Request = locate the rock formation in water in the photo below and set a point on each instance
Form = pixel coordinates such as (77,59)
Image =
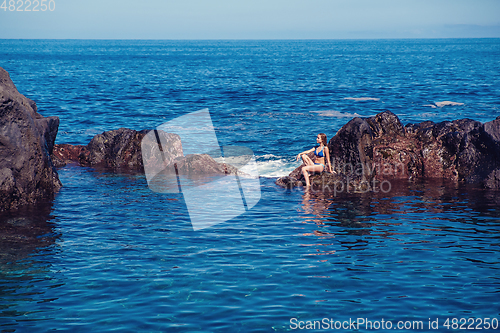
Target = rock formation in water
(115,150)
(64,154)
(122,150)
(27,174)
(369,151)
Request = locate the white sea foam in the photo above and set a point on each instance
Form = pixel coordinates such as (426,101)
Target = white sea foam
(445,103)
(336,114)
(272,166)
(362,99)
(435,115)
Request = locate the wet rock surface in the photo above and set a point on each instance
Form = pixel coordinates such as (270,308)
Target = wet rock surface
(64,154)
(203,164)
(27,174)
(116,149)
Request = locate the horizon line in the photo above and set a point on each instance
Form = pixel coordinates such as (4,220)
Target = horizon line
(250,39)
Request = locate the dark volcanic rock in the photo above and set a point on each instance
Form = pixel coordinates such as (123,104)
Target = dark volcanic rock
(156,157)
(64,154)
(461,150)
(289,182)
(386,124)
(203,164)
(351,149)
(379,148)
(129,150)
(26,142)
(117,149)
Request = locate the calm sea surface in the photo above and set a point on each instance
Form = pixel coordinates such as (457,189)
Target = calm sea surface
(108,254)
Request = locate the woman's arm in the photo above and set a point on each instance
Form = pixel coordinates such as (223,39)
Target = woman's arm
(327,156)
(305,152)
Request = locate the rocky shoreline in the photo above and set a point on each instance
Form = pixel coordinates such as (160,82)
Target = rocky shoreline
(364,152)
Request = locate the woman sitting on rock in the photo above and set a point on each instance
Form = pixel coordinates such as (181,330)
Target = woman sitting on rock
(320,152)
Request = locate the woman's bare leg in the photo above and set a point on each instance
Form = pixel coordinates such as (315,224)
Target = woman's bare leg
(311,168)
(307,160)
(306,176)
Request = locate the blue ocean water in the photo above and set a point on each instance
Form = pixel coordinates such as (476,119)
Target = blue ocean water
(109,254)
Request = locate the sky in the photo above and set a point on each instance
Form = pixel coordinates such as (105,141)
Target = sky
(252,19)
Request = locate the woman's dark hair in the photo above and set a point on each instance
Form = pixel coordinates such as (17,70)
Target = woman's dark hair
(323,138)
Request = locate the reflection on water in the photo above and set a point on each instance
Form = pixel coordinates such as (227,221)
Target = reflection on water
(435,243)
(25,237)
(359,212)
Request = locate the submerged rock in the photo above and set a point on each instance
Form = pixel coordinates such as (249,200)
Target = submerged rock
(369,151)
(27,174)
